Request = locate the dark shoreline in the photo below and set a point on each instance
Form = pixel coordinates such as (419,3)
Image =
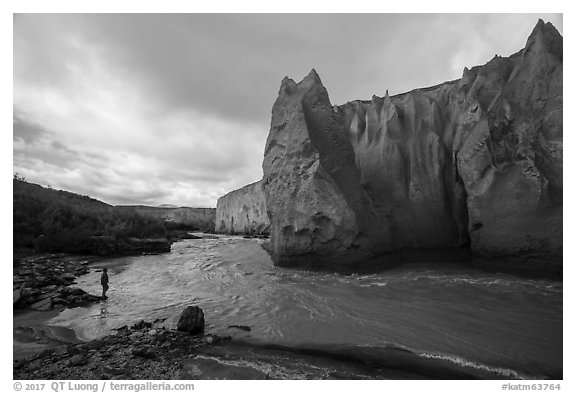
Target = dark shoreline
(154,352)
(31,335)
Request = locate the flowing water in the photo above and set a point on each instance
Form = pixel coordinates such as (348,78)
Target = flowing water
(495,322)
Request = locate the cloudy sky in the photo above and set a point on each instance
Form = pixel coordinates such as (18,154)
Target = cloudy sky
(153,109)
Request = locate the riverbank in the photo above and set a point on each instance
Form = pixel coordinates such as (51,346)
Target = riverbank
(152,351)
(43,282)
(43,285)
(130,353)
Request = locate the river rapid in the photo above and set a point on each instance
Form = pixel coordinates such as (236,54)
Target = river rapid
(508,326)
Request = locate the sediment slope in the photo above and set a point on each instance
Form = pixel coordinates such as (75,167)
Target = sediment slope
(243,211)
(474,162)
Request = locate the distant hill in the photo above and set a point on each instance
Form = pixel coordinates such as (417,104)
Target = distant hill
(30,190)
(185,217)
(61,221)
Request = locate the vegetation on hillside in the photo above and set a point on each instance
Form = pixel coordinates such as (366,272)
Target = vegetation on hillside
(60,221)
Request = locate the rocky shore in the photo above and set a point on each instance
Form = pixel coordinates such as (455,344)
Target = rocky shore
(43,282)
(143,351)
(152,351)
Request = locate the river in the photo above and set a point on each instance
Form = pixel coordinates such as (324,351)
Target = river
(500,323)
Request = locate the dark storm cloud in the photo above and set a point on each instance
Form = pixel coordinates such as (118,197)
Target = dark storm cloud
(219,64)
(32,141)
(183,101)
(28,133)
(232,65)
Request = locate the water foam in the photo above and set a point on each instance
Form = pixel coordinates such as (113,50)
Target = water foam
(505,372)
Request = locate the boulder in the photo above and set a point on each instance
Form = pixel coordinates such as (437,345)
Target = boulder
(67,277)
(144,352)
(191,320)
(88,298)
(72,291)
(141,324)
(77,361)
(17,293)
(42,305)
(45,295)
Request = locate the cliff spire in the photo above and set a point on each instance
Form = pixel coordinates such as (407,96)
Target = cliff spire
(544,38)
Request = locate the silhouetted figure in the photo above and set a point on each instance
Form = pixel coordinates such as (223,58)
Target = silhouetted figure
(104,282)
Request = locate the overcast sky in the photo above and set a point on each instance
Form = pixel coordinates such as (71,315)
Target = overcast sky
(154,109)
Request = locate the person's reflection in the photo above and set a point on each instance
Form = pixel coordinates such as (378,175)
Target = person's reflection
(103,317)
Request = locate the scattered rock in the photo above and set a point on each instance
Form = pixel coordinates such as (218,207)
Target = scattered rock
(145,353)
(136,335)
(116,357)
(68,276)
(113,371)
(96,344)
(211,339)
(35,365)
(68,291)
(77,360)
(48,282)
(17,293)
(59,300)
(42,305)
(141,324)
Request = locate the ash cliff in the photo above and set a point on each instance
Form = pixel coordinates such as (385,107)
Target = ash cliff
(474,163)
(243,211)
(201,218)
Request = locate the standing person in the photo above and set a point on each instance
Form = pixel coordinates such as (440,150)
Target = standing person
(104,282)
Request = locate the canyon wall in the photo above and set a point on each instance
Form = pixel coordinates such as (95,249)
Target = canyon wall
(475,162)
(243,211)
(196,217)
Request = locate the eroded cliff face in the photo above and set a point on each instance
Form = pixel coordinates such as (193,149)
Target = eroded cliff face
(315,203)
(474,162)
(403,150)
(243,211)
(511,159)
